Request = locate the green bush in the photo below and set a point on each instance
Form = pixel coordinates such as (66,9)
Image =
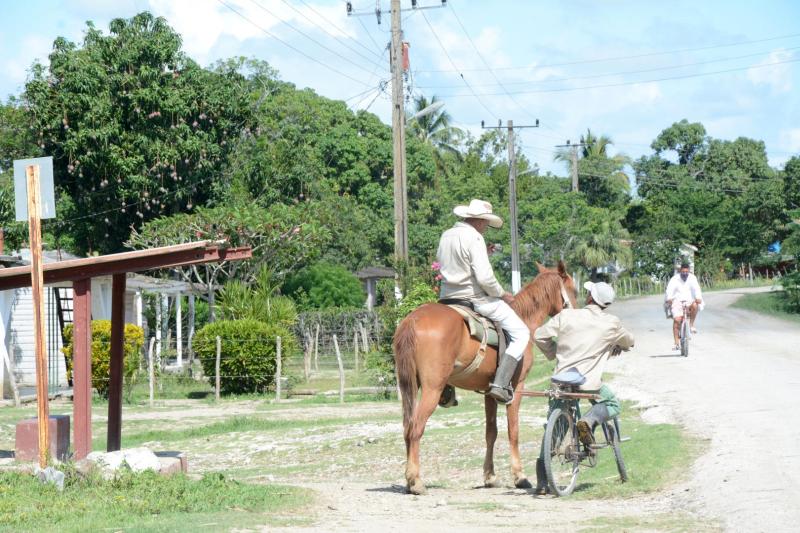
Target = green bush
(101,354)
(323,286)
(247,358)
(791,288)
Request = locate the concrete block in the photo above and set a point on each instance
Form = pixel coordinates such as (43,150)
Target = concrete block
(27,438)
(173,462)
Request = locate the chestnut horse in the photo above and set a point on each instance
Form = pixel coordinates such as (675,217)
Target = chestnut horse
(427,344)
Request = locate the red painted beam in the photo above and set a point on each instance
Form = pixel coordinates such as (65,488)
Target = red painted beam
(90,267)
(82,367)
(114,440)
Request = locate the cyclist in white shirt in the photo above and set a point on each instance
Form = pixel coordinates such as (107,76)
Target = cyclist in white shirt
(683,288)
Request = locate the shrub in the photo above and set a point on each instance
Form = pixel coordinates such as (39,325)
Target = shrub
(323,285)
(101,354)
(247,358)
(791,288)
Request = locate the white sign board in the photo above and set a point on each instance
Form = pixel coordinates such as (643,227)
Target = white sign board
(48,197)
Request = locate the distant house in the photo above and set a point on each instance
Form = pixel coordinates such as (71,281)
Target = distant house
(16,319)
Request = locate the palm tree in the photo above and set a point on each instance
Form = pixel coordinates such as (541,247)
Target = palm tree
(600,165)
(608,245)
(435,129)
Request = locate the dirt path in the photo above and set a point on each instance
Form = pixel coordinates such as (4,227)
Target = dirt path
(734,390)
(737,389)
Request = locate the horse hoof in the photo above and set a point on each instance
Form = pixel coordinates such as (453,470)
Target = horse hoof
(417,488)
(490,481)
(523,484)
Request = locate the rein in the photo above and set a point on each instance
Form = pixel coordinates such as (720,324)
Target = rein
(567,303)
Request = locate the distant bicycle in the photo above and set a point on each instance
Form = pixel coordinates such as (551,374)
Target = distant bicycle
(685,331)
(564,453)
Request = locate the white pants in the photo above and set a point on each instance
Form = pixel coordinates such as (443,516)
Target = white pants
(500,312)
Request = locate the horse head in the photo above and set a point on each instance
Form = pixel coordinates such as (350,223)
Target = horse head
(567,291)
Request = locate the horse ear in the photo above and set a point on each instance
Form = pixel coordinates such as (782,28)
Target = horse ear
(541,267)
(562,270)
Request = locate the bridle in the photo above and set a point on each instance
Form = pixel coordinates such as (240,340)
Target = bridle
(567,303)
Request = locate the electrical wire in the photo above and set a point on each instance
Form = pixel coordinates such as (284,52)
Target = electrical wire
(288,45)
(472,91)
(621,84)
(635,56)
(328,21)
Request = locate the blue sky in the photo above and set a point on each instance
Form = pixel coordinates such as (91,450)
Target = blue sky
(574,65)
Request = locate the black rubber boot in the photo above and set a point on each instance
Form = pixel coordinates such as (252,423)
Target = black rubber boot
(541,479)
(500,389)
(598,414)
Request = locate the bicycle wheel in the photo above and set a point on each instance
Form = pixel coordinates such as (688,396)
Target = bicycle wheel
(561,453)
(614,440)
(685,337)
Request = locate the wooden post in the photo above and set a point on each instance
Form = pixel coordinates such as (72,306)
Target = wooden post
(158,331)
(82,367)
(151,374)
(216,368)
(341,369)
(37,288)
(179,329)
(355,350)
(277,369)
(364,339)
(190,336)
(316,348)
(307,354)
(114,437)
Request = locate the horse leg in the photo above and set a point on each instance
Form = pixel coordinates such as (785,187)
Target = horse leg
(423,411)
(489,477)
(512,415)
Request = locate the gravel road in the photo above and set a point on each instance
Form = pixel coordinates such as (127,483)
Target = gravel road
(734,392)
(736,389)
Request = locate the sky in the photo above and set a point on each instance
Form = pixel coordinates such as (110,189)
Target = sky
(623,68)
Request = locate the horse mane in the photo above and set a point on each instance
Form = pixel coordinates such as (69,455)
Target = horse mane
(538,295)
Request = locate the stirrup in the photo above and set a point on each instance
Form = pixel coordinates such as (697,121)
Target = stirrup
(503,395)
(448,397)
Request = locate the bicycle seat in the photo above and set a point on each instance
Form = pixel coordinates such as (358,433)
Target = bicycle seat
(569,377)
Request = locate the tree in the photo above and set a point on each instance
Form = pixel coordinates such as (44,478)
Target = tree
(137,130)
(279,240)
(435,129)
(683,137)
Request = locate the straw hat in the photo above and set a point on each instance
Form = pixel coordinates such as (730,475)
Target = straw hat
(479,209)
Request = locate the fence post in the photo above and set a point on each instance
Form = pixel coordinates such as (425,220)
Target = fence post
(355,349)
(216,368)
(151,373)
(307,354)
(316,349)
(277,369)
(364,339)
(341,369)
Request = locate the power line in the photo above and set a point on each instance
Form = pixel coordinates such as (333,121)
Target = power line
(486,64)
(621,84)
(472,91)
(338,39)
(369,34)
(288,45)
(610,74)
(315,41)
(635,56)
(327,21)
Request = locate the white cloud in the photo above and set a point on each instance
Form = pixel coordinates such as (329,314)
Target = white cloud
(777,77)
(32,47)
(790,140)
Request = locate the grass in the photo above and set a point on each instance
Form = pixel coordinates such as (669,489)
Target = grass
(673,522)
(144,502)
(767,303)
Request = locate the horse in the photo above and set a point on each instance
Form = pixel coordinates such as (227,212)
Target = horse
(429,341)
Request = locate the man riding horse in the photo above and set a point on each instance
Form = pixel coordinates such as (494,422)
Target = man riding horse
(467,276)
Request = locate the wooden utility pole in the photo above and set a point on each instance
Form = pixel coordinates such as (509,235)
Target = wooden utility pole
(516,277)
(574,157)
(37,288)
(399,144)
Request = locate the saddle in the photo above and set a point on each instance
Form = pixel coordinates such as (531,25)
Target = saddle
(480,328)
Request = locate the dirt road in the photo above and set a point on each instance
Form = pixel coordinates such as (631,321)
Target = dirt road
(737,388)
(734,392)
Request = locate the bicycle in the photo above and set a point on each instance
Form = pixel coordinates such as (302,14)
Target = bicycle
(685,331)
(564,453)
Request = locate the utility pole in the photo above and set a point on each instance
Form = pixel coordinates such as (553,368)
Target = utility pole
(397,67)
(574,156)
(516,277)
(398,131)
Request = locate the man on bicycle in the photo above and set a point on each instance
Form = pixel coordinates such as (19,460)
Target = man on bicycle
(682,289)
(584,339)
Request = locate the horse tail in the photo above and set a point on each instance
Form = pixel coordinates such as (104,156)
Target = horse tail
(405,347)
